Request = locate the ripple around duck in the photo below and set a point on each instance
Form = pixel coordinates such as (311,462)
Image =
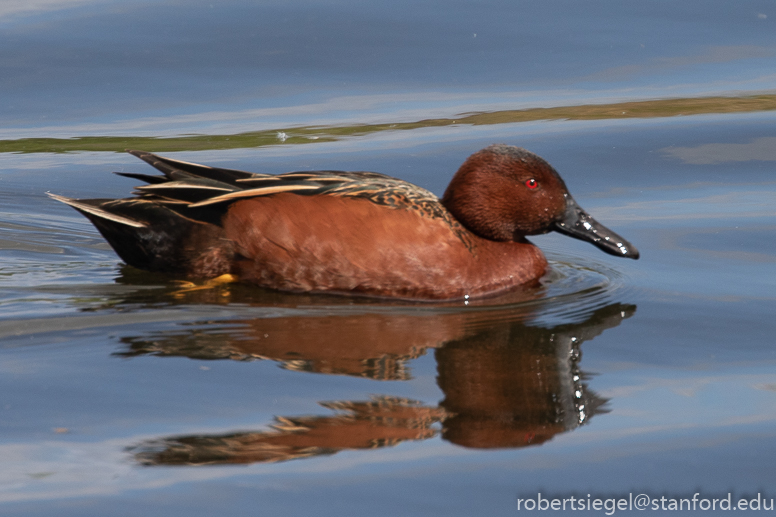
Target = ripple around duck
(572,284)
(52,285)
(574,287)
(578,285)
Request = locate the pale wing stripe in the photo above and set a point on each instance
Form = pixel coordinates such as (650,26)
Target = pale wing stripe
(254,193)
(181,185)
(99,212)
(293,176)
(159,200)
(265,177)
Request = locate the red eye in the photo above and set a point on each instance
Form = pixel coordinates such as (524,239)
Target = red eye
(531,183)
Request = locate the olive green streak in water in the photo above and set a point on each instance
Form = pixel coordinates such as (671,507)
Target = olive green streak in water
(310,134)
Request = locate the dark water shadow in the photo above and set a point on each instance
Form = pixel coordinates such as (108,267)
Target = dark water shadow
(506,383)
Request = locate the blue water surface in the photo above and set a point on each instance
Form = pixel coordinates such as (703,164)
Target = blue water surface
(125,394)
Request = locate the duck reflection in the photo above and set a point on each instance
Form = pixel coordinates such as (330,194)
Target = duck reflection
(514,385)
(506,384)
(380,422)
(376,346)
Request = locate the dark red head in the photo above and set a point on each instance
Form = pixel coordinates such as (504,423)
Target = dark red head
(504,193)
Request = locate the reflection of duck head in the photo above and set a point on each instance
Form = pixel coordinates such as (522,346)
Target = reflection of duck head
(506,384)
(516,385)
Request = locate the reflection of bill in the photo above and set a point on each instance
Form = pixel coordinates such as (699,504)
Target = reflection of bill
(506,384)
(513,385)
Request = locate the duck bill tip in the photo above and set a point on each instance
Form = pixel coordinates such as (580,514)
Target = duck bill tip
(577,223)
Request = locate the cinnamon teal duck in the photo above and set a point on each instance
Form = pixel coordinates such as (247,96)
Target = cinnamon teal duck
(349,232)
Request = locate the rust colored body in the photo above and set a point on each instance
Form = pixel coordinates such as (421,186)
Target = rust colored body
(335,244)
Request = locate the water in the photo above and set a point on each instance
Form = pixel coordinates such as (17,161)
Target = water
(126,394)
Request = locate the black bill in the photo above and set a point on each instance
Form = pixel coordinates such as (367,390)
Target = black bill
(578,224)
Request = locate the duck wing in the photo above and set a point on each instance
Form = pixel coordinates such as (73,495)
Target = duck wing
(204,193)
(173,222)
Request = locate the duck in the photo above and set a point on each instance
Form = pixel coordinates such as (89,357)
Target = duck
(349,232)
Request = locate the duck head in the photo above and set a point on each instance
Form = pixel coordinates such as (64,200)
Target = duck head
(504,193)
